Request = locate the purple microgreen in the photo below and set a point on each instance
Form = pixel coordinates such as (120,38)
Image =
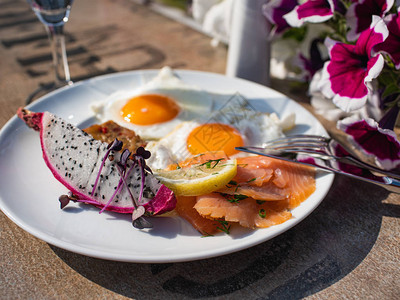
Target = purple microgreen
(116,145)
(137,215)
(112,197)
(147,168)
(124,158)
(142,164)
(138,212)
(120,171)
(142,223)
(143,153)
(64,200)
(120,184)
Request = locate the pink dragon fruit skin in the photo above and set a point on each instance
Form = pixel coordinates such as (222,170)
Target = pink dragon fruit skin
(74,158)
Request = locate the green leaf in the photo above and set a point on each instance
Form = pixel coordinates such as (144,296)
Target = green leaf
(297,34)
(391,89)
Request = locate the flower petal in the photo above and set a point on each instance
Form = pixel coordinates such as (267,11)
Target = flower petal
(391,45)
(313,11)
(359,15)
(375,142)
(274,11)
(346,76)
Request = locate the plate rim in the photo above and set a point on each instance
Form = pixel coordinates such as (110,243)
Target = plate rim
(13,122)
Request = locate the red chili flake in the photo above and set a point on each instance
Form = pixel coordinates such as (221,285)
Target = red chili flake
(103,129)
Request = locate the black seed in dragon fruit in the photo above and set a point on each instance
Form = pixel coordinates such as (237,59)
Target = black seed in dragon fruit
(75,159)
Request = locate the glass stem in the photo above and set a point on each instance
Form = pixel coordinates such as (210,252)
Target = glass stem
(59,54)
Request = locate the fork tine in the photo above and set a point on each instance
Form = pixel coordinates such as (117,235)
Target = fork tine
(298,147)
(298,141)
(290,138)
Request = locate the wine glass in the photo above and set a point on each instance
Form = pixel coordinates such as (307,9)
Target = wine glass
(54,14)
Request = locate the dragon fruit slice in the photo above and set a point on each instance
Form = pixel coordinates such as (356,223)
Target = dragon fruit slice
(75,159)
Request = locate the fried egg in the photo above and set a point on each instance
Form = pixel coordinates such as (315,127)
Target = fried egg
(157,107)
(223,132)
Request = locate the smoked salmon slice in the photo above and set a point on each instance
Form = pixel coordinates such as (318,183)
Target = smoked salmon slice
(295,181)
(185,209)
(266,192)
(254,177)
(247,212)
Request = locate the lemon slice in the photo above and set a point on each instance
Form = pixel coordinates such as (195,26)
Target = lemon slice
(198,179)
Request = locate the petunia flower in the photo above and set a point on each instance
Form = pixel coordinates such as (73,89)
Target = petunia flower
(346,76)
(315,62)
(312,11)
(376,143)
(391,45)
(359,15)
(274,11)
(326,108)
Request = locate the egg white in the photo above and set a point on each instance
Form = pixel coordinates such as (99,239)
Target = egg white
(194,103)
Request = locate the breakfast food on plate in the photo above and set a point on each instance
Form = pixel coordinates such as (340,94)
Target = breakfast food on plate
(191,134)
(155,108)
(179,120)
(95,172)
(261,194)
(109,131)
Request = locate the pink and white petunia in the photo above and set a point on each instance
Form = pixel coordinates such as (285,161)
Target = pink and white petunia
(312,11)
(391,45)
(351,68)
(359,15)
(376,143)
(274,11)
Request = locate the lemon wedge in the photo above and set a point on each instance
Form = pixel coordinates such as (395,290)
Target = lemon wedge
(199,179)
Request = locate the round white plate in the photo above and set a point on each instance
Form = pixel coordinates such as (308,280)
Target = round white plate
(29,193)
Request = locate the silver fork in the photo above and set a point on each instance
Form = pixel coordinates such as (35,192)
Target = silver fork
(320,147)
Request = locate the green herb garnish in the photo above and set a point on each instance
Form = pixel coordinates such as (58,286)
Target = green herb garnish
(225,226)
(262,213)
(235,198)
(209,162)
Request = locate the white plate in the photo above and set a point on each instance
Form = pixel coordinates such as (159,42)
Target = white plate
(29,193)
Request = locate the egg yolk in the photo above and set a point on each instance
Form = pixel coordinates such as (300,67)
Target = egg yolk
(214,137)
(149,109)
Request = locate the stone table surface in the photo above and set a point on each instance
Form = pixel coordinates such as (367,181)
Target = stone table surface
(348,248)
